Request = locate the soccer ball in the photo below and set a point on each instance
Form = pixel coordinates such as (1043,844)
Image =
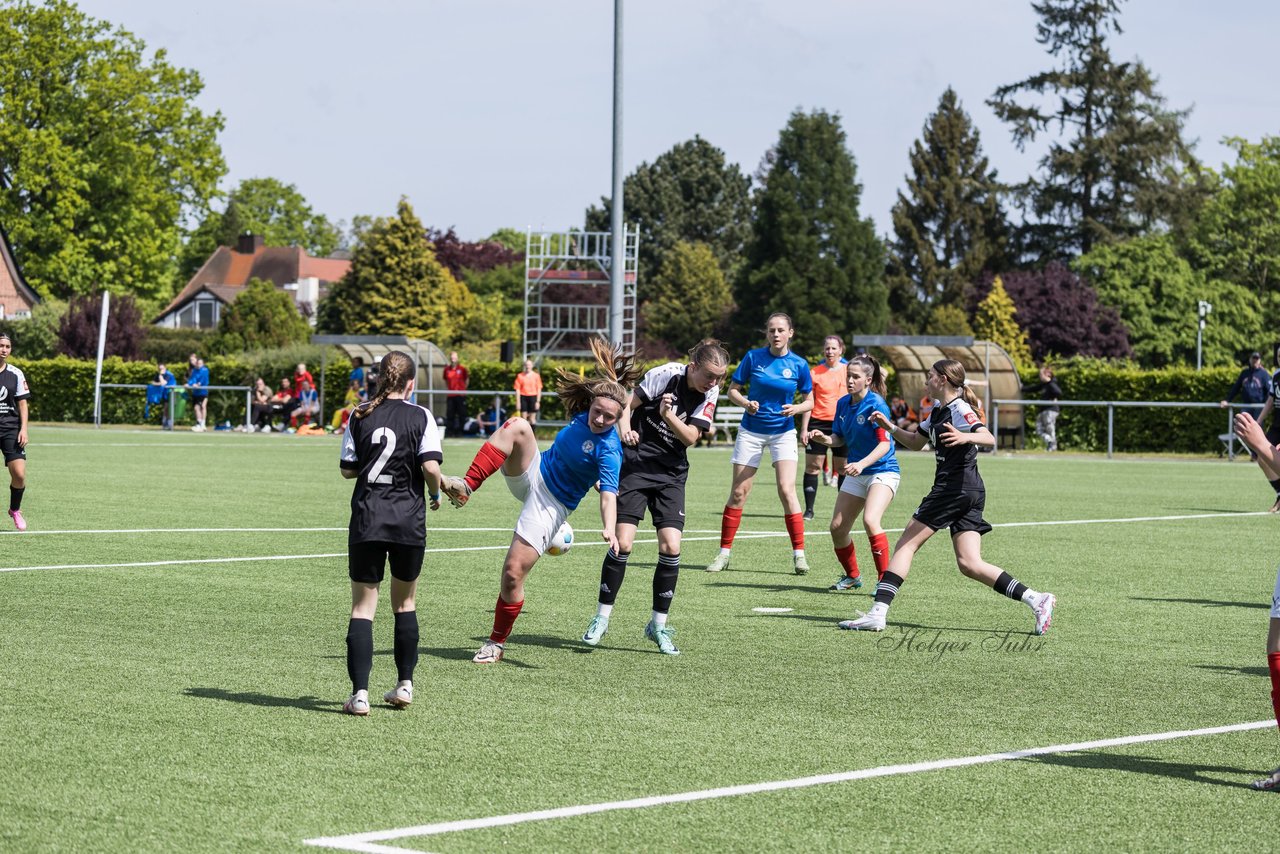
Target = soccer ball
(562,541)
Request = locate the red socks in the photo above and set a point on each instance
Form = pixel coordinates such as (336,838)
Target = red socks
(880,553)
(488,460)
(848,560)
(795,528)
(504,617)
(1273,664)
(729,523)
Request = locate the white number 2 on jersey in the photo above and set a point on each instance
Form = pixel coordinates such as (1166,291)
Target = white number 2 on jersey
(388,437)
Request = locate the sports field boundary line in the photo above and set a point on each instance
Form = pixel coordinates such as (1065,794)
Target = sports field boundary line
(367,842)
(742,535)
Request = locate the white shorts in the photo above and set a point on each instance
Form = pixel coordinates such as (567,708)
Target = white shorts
(748,448)
(858,485)
(543,514)
(1275,600)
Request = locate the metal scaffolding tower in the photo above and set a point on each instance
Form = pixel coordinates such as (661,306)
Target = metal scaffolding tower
(566,291)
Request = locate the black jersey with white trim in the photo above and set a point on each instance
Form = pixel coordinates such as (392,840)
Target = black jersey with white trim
(958,464)
(13,388)
(660,454)
(1274,391)
(388,447)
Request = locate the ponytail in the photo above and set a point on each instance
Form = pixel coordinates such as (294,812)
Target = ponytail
(953,372)
(615,374)
(871,365)
(395,372)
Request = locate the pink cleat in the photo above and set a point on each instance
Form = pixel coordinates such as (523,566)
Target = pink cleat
(18,521)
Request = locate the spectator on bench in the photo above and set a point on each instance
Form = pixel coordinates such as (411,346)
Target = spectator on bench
(308,405)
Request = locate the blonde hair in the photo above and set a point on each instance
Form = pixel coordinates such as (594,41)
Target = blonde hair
(615,374)
(953,372)
(871,365)
(394,373)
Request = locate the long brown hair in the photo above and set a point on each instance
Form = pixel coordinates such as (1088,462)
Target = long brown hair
(616,372)
(871,365)
(953,372)
(394,372)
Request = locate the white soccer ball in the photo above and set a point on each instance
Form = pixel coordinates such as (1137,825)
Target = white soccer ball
(562,541)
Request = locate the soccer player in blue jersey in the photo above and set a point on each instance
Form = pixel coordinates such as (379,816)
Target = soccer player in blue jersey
(956,502)
(871,471)
(585,452)
(766,384)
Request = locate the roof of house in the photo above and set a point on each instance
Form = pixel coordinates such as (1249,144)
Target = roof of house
(227,272)
(11,278)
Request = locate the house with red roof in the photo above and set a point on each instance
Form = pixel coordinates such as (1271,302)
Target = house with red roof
(228,271)
(16,296)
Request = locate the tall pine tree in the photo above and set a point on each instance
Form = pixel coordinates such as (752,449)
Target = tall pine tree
(1115,170)
(996,321)
(949,226)
(810,254)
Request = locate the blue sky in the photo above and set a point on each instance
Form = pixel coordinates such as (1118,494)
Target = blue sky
(498,113)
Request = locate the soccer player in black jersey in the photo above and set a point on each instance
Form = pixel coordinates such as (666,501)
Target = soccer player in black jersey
(671,407)
(14,394)
(392,451)
(956,501)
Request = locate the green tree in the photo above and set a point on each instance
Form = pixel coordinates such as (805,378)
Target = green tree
(103,154)
(1236,236)
(947,319)
(997,321)
(1116,169)
(688,193)
(267,207)
(261,318)
(500,294)
(949,226)
(397,287)
(810,254)
(691,298)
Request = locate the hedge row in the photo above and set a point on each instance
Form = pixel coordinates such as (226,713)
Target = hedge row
(1137,429)
(62,390)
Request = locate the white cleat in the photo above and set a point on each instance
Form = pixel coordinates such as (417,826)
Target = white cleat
(490,653)
(873,622)
(1043,609)
(357,704)
(400,696)
(719,564)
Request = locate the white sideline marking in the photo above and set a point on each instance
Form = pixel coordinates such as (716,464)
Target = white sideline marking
(218,530)
(763,610)
(742,535)
(365,841)
(194,561)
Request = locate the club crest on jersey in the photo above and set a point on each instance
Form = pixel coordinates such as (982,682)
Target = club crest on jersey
(862,419)
(970,418)
(588,446)
(786,373)
(4,393)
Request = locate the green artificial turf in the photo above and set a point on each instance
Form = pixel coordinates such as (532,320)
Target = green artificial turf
(195,705)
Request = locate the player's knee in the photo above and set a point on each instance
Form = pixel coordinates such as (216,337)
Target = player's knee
(969,566)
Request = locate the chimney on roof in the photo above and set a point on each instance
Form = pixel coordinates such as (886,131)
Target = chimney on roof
(249,243)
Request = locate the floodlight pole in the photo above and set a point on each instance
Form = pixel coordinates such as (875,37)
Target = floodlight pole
(617,271)
(1203,309)
(102,347)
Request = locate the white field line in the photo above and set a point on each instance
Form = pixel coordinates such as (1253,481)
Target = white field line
(742,535)
(251,558)
(367,842)
(435,529)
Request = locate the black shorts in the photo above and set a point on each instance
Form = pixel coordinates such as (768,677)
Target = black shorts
(199,398)
(528,403)
(960,511)
(821,450)
(665,503)
(1273,432)
(9,445)
(366,562)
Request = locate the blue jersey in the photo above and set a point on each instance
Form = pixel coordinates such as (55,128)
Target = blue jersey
(774,381)
(578,458)
(861,435)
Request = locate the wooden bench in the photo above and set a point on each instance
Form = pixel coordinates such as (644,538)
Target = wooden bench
(726,420)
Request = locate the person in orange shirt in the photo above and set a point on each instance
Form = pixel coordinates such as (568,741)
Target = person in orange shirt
(529,388)
(828,387)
